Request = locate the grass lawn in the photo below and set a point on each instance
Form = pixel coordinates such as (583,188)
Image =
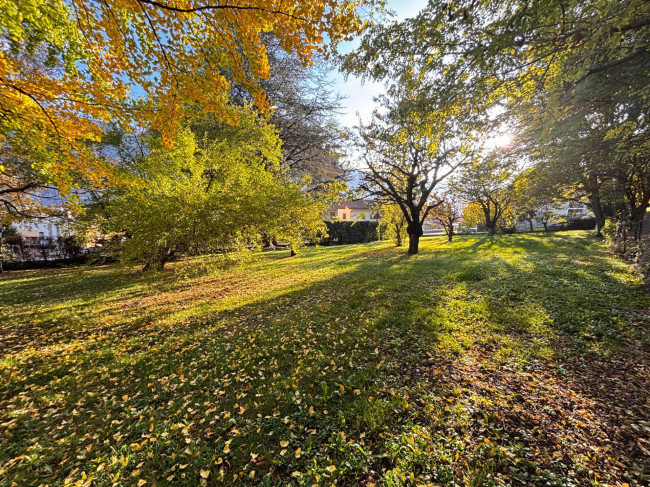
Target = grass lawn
(513,360)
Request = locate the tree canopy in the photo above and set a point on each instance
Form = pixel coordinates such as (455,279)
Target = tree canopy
(408,150)
(69,67)
(210,194)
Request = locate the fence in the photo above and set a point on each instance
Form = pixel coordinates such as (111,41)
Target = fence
(30,249)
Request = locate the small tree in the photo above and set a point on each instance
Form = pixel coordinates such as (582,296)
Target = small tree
(535,197)
(393,217)
(221,194)
(473,215)
(447,212)
(489,183)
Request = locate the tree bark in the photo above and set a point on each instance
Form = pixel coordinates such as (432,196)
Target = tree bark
(414,244)
(636,222)
(450,234)
(414,230)
(490,230)
(530,222)
(597,208)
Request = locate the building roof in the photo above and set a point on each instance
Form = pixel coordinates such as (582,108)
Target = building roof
(354,205)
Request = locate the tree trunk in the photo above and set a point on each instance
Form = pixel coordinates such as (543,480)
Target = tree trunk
(414,230)
(636,222)
(597,209)
(530,222)
(398,235)
(158,263)
(490,230)
(414,244)
(450,234)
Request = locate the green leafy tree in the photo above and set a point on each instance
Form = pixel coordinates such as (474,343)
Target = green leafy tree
(573,74)
(488,182)
(393,217)
(408,149)
(223,192)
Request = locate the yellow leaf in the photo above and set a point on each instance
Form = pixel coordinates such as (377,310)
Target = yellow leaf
(297,453)
(284,443)
(204,473)
(141,482)
(331,469)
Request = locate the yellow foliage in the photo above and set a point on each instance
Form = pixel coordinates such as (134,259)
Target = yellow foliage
(70,66)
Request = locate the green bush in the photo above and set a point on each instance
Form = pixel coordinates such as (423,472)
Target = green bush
(349,232)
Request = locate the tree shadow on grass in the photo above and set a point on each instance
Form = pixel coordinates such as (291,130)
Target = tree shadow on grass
(361,348)
(299,364)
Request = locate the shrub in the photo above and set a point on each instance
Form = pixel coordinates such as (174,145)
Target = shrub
(584,223)
(340,232)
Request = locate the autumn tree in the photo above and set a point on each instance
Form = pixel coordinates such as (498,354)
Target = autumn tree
(447,212)
(407,150)
(213,194)
(488,182)
(546,61)
(69,67)
(473,215)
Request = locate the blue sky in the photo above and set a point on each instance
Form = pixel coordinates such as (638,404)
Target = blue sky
(359,96)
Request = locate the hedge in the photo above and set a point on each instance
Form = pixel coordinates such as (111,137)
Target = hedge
(350,232)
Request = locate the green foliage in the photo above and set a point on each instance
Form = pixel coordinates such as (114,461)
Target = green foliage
(393,219)
(350,232)
(409,148)
(572,74)
(489,182)
(223,192)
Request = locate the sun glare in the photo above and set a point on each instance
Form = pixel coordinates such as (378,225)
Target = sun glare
(502,140)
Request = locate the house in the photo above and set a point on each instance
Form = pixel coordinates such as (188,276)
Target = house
(572,209)
(58,223)
(352,210)
(52,227)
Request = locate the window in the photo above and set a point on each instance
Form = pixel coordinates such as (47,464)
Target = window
(345,216)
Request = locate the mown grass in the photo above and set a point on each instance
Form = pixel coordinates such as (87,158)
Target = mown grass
(513,360)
